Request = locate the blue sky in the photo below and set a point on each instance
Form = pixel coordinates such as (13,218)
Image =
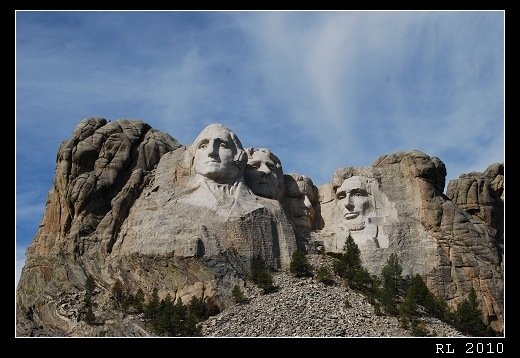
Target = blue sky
(323,90)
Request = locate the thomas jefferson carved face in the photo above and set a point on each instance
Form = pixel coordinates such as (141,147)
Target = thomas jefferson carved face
(300,199)
(263,173)
(217,154)
(352,198)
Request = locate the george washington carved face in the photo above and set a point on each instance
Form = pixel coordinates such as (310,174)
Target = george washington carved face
(218,154)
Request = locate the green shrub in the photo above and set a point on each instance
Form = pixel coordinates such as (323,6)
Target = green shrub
(300,266)
(468,318)
(261,276)
(324,275)
(238,295)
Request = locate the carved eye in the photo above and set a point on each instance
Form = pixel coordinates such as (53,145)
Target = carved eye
(341,196)
(203,145)
(357,195)
(224,145)
(270,166)
(254,165)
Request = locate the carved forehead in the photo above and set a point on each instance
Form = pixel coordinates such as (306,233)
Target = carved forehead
(296,184)
(218,131)
(354,182)
(263,154)
(214,132)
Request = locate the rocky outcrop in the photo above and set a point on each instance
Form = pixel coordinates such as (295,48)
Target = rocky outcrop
(100,171)
(482,196)
(405,212)
(130,203)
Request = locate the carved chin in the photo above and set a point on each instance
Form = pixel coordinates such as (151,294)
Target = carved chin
(356,225)
(265,190)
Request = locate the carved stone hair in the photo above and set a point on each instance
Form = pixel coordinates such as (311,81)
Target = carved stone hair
(272,156)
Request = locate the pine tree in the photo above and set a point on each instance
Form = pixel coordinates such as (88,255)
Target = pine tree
(324,275)
(90,318)
(118,292)
(197,309)
(261,276)
(391,275)
(238,295)
(151,310)
(468,316)
(163,323)
(139,300)
(90,284)
(300,266)
(348,262)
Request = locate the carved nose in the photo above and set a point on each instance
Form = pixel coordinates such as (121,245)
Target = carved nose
(264,170)
(307,202)
(212,150)
(349,206)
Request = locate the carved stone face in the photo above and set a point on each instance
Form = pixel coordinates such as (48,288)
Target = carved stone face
(352,198)
(300,198)
(263,174)
(215,153)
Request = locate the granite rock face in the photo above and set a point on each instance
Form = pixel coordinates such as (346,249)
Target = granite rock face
(397,206)
(482,196)
(130,203)
(100,171)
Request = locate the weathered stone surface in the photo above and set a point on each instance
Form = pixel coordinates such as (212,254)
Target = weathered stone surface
(126,207)
(400,208)
(205,215)
(301,203)
(100,171)
(130,203)
(482,196)
(264,173)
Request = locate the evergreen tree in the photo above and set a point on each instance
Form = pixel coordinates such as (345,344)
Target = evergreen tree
(300,266)
(261,276)
(391,274)
(468,316)
(118,292)
(178,319)
(324,275)
(151,310)
(90,284)
(238,295)
(163,324)
(197,309)
(348,262)
(265,282)
(139,300)
(90,318)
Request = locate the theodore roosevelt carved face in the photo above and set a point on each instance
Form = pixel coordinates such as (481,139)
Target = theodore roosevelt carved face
(218,154)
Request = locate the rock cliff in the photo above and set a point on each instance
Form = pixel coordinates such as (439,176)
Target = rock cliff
(131,204)
(397,206)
